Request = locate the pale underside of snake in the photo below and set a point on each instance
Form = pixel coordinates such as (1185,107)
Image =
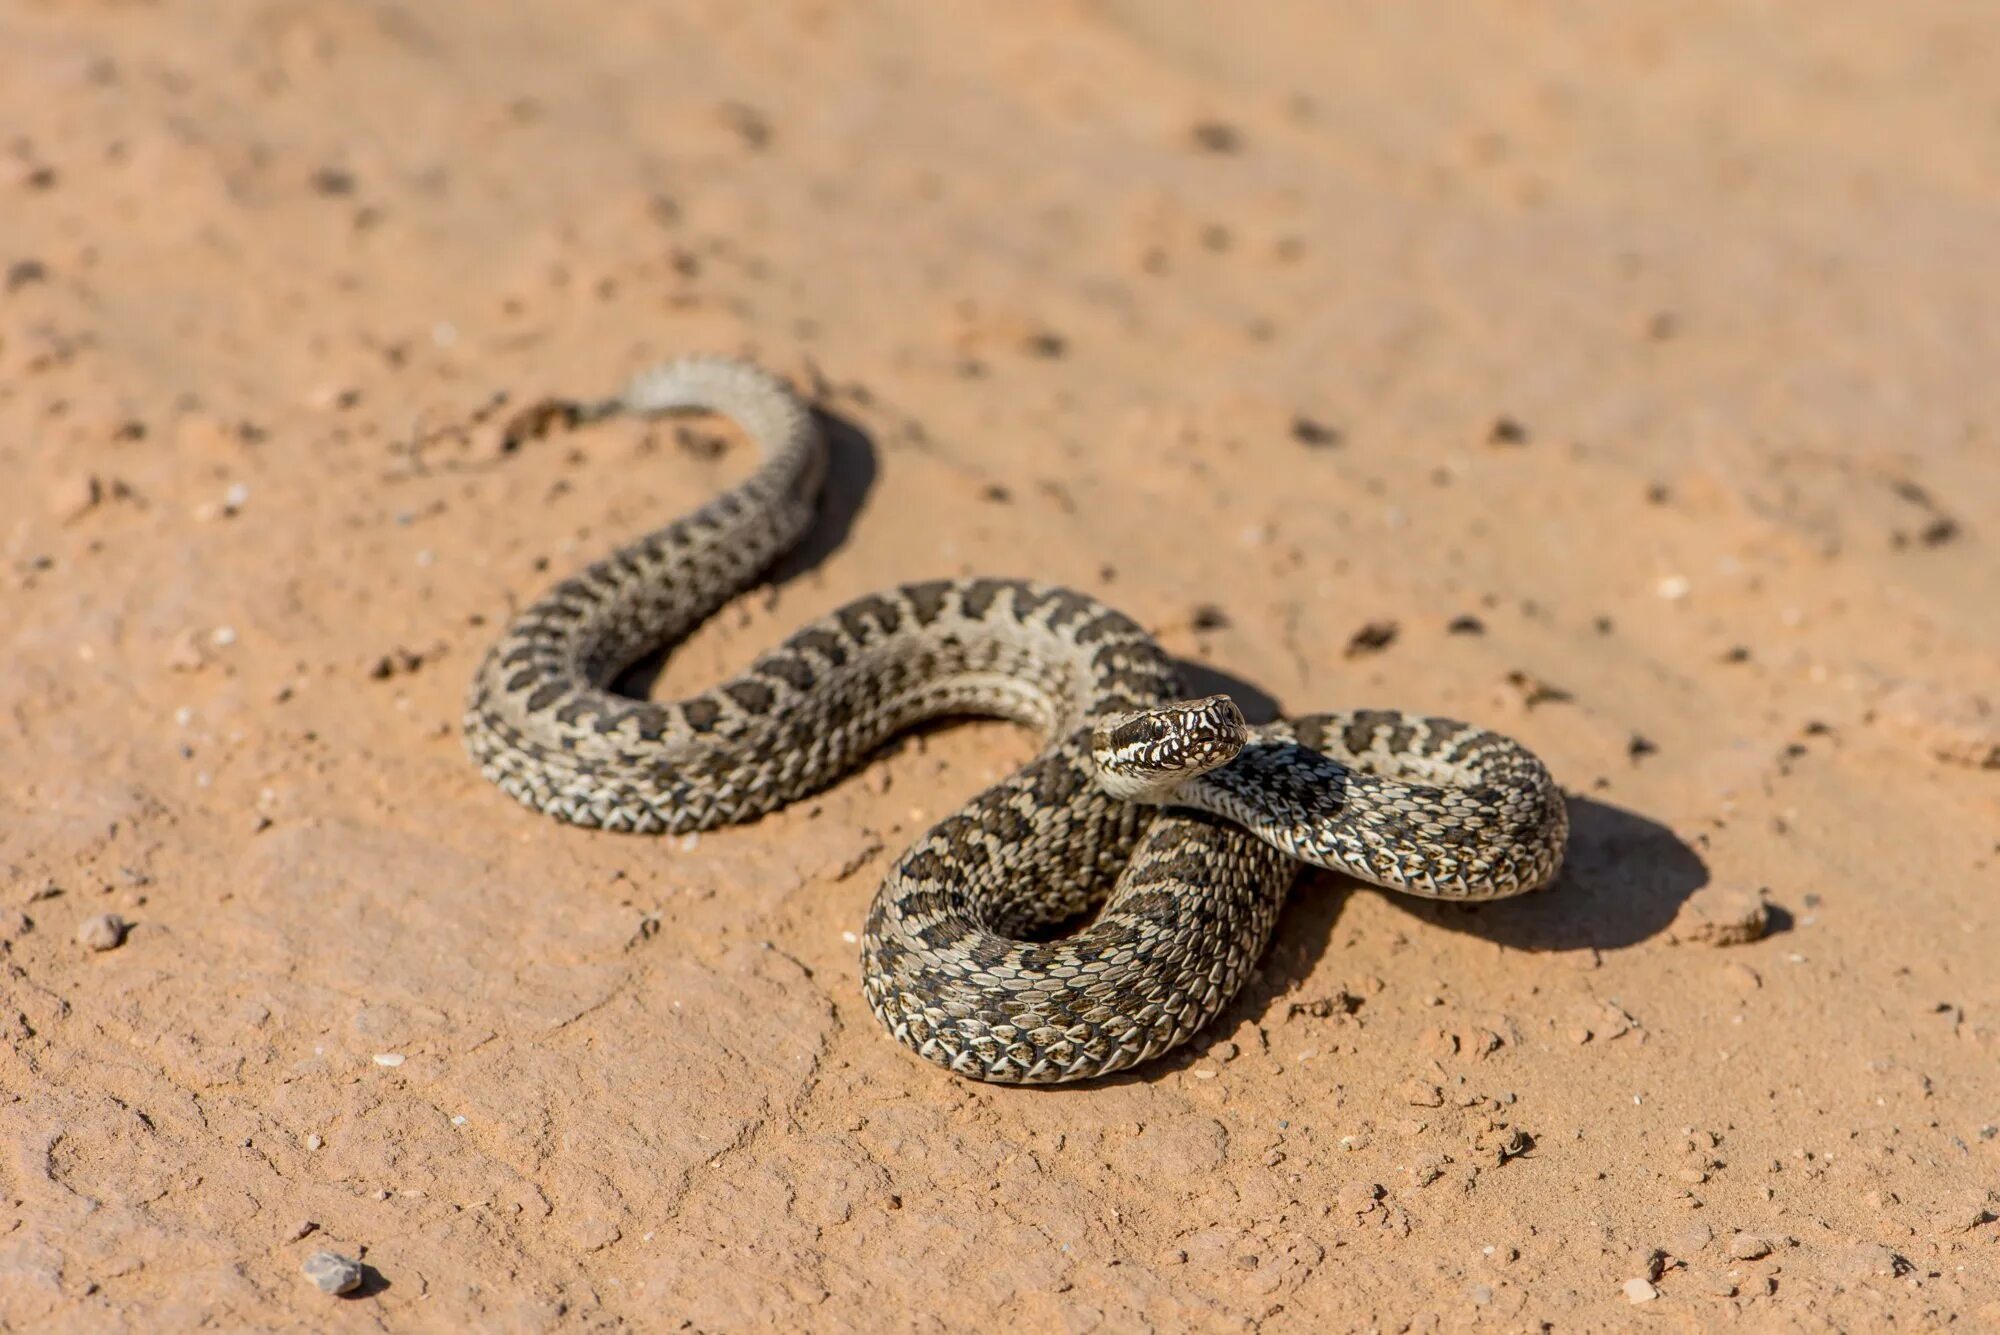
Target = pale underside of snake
(1181,828)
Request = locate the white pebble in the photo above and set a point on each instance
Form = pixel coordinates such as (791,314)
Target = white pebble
(458,1119)
(389,1059)
(849,937)
(237,495)
(313,1141)
(224,636)
(1672,587)
(1639,1290)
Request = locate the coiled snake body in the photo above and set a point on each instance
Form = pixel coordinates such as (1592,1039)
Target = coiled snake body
(1181,823)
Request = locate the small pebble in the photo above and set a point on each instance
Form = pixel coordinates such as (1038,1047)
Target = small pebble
(73,497)
(389,1059)
(331,1272)
(1216,137)
(1971,1210)
(1640,1291)
(102,931)
(1360,1197)
(186,654)
(1867,1260)
(1721,916)
(1422,1094)
(333,398)
(313,1142)
(1371,638)
(1958,729)
(23,272)
(1748,1247)
(1318,435)
(300,1229)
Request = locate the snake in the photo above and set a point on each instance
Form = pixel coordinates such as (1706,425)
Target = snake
(1166,826)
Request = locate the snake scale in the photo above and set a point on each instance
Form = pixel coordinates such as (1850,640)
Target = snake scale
(1180,826)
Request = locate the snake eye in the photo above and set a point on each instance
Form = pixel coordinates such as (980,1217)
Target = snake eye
(1142,731)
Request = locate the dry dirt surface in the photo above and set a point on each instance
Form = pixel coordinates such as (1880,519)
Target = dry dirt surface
(1622,377)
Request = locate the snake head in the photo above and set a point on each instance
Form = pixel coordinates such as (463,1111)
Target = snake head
(1146,754)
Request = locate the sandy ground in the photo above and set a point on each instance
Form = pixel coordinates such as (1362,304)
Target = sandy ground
(1635,365)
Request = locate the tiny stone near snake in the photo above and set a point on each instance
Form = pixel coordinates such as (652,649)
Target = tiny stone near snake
(1186,871)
